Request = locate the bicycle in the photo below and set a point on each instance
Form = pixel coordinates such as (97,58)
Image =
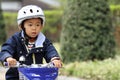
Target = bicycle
(36,71)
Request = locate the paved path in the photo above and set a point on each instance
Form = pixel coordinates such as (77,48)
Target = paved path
(2,73)
(68,78)
(3,70)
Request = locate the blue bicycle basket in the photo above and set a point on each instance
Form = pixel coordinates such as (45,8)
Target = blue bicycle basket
(39,73)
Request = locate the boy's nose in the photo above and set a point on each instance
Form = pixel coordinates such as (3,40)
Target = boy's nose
(34,27)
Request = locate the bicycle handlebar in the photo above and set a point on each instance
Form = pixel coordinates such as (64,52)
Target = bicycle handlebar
(47,65)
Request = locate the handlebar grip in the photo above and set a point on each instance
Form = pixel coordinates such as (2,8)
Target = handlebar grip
(6,64)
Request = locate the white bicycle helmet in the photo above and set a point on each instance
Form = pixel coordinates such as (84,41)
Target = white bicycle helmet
(30,11)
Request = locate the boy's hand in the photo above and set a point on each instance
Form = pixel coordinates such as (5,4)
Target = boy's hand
(11,61)
(57,63)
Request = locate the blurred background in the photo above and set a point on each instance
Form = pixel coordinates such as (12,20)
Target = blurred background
(51,9)
(86,33)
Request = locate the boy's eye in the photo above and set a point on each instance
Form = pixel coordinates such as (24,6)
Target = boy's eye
(29,24)
(38,25)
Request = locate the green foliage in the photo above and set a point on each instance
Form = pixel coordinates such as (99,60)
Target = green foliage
(114,2)
(10,18)
(53,24)
(114,7)
(53,20)
(107,69)
(87,31)
(2,28)
(115,10)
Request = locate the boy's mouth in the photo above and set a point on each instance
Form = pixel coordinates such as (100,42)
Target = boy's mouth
(33,32)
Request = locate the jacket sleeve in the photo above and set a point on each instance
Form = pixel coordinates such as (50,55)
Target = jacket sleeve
(50,51)
(8,49)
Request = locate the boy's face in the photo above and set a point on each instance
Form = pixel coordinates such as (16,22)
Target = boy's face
(33,27)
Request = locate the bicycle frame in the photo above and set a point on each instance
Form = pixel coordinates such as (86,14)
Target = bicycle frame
(37,71)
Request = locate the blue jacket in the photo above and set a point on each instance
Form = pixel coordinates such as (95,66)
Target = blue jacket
(15,47)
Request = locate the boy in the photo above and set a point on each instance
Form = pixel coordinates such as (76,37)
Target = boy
(29,42)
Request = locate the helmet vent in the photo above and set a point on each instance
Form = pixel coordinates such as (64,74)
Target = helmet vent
(31,10)
(37,10)
(24,12)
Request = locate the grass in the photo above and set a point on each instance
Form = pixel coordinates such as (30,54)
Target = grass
(108,69)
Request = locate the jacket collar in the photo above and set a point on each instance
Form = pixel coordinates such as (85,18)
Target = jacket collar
(40,39)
